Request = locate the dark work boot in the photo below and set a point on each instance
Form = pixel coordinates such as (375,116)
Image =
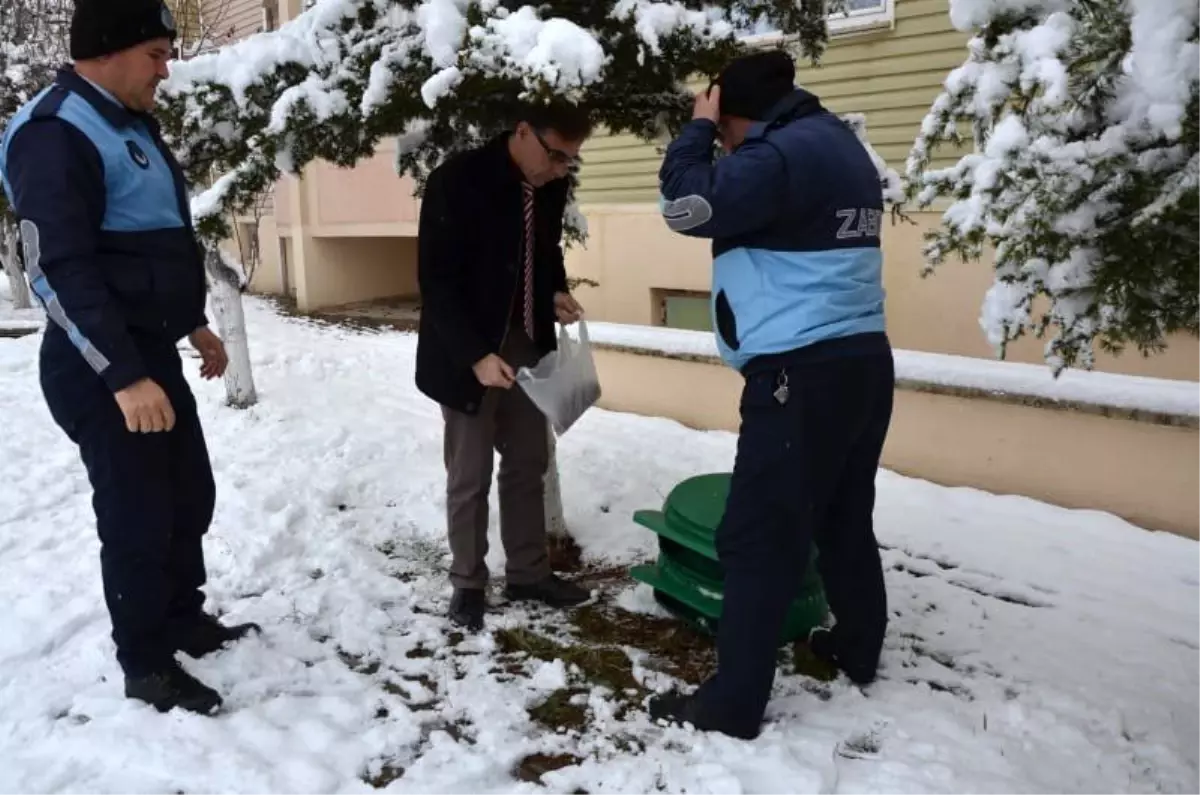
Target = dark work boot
(824,645)
(173,687)
(552,591)
(206,634)
(466,608)
(677,708)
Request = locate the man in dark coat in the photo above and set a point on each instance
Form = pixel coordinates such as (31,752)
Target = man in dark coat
(111,254)
(794,212)
(493,284)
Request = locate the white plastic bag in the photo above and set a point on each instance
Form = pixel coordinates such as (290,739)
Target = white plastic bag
(564,383)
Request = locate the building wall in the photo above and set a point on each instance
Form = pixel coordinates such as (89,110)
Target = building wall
(891,75)
(647,275)
(1064,457)
(230,20)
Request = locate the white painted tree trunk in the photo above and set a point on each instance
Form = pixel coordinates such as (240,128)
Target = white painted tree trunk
(231,320)
(18,287)
(556,523)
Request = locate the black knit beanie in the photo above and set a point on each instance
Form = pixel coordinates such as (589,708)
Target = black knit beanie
(104,27)
(753,84)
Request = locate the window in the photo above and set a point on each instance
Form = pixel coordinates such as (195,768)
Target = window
(682,309)
(856,16)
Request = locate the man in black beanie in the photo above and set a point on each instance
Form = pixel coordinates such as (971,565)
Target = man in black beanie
(111,254)
(794,212)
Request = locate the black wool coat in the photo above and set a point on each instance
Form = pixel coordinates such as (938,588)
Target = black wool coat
(469,266)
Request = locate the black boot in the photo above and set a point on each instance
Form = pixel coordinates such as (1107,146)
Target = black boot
(466,608)
(552,591)
(206,634)
(173,687)
(824,644)
(677,708)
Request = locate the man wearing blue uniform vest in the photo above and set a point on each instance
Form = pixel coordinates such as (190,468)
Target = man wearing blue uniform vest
(794,210)
(110,252)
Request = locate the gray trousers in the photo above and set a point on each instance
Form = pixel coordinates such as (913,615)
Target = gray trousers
(510,424)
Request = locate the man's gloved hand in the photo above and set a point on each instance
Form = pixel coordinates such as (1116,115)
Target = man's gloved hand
(146,407)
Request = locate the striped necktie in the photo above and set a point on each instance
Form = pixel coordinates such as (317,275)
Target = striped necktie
(528,314)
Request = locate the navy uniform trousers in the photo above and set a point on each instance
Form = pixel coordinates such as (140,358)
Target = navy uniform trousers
(804,472)
(153,496)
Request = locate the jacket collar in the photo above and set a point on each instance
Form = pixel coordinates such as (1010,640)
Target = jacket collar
(113,112)
(796,105)
(499,156)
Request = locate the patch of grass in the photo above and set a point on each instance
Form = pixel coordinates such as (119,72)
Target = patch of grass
(805,663)
(419,652)
(676,648)
(605,666)
(533,767)
(557,711)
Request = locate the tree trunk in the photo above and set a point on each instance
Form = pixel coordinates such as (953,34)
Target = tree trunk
(18,287)
(227,305)
(556,523)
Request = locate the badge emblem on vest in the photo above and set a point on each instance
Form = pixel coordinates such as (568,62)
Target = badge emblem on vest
(138,155)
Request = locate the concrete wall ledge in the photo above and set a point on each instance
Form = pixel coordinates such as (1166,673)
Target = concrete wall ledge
(1126,445)
(1157,401)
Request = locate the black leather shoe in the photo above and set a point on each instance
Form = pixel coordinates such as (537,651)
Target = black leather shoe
(173,687)
(206,634)
(466,608)
(552,591)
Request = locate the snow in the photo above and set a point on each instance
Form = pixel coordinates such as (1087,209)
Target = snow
(554,52)
(1031,648)
(1140,393)
(657,20)
(1162,66)
(13,319)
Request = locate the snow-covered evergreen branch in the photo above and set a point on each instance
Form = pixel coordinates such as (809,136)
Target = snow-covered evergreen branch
(441,75)
(1084,174)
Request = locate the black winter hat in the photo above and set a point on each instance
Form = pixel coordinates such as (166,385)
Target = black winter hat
(103,27)
(753,84)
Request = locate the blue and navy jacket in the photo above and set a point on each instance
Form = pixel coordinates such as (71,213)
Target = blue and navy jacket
(106,231)
(794,214)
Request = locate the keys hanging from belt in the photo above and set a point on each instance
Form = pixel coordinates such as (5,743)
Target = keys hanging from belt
(781,393)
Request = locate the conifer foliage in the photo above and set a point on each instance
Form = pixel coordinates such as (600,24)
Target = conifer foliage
(1084,174)
(442,75)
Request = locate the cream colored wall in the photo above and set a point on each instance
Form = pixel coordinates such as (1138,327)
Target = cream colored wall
(631,252)
(1143,472)
(348,270)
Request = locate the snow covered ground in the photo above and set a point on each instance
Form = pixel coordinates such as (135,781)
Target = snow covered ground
(1032,649)
(16,319)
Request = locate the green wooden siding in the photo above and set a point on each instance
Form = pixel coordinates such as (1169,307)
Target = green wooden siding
(891,76)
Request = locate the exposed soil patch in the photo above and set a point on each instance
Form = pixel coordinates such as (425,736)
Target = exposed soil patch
(532,768)
(386,775)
